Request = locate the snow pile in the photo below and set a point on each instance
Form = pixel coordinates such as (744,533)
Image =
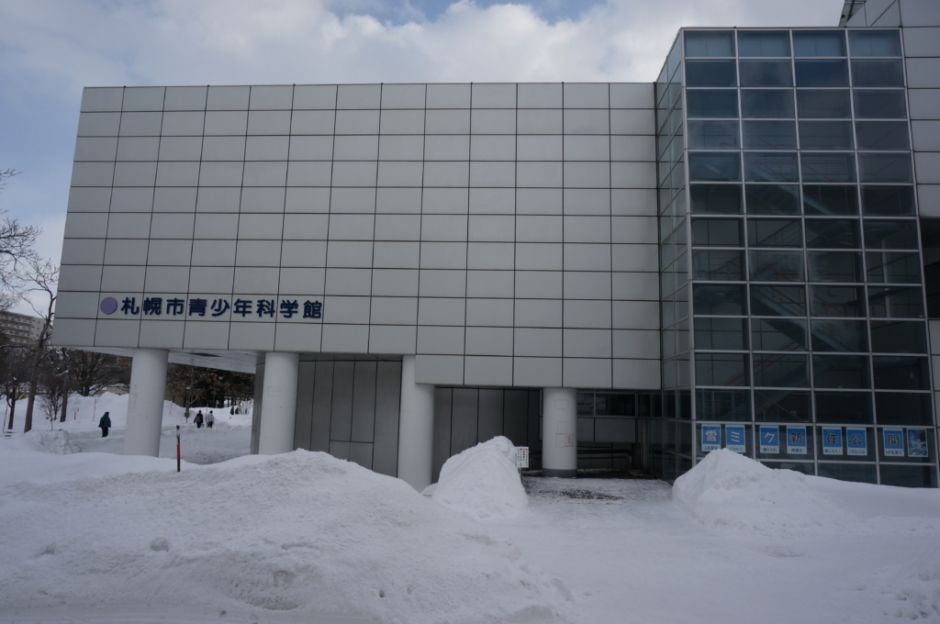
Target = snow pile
(300,531)
(482,482)
(57,442)
(728,489)
(918,586)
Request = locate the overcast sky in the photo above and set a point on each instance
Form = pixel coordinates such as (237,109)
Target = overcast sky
(50,49)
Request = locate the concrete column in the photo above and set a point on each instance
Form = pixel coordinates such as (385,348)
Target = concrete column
(276,433)
(559,432)
(416,428)
(145,404)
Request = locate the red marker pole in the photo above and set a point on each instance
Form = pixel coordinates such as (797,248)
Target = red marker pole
(177,448)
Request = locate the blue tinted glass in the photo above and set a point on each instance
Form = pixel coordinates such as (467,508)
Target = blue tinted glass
(841,371)
(874,43)
(822,167)
(763,43)
(766,74)
(826,135)
(888,168)
(835,266)
(710,74)
(713,135)
(709,166)
(833,73)
(818,43)
(882,135)
(766,104)
(833,234)
(769,135)
(778,301)
(709,43)
(872,73)
(839,335)
(716,198)
(829,199)
(773,199)
(712,103)
(823,104)
(880,105)
(888,200)
(719,299)
(771,167)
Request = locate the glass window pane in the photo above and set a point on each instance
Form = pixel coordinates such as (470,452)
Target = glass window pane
(721,369)
(763,43)
(734,405)
(719,299)
(874,43)
(857,473)
(774,233)
(766,74)
(828,167)
(818,43)
(778,300)
(910,476)
(726,334)
(880,105)
(835,266)
(830,199)
(712,103)
(769,135)
(822,74)
(890,234)
(718,265)
(898,337)
(716,198)
(837,301)
(826,135)
(713,135)
(844,407)
(898,372)
(708,166)
(882,135)
(890,168)
(717,232)
(766,104)
(772,199)
(841,371)
(709,43)
(839,335)
(888,200)
(877,73)
(710,74)
(779,334)
(823,104)
(770,167)
(893,267)
(903,408)
(782,406)
(895,302)
(782,371)
(776,266)
(832,234)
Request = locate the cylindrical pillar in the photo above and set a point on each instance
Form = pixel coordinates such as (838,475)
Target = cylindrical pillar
(145,404)
(415,428)
(276,433)
(559,432)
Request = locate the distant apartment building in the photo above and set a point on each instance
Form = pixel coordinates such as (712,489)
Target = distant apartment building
(19,329)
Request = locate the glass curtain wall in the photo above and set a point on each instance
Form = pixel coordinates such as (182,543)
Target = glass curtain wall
(809,341)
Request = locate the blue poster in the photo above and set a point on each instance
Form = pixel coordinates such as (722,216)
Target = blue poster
(769,439)
(894,442)
(832,440)
(711,438)
(796,440)
(734,438)
(857,441)
(917,443)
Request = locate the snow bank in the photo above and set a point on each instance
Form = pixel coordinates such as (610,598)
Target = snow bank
(917,587)
(728,489)
(300,531)
(482,482)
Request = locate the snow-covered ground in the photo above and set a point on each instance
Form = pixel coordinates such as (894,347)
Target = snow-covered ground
(95,536)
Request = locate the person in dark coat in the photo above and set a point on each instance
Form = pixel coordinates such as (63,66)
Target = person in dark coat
(105,424)
(199,419)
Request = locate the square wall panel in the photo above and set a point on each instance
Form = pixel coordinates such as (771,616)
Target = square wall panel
(348,282)
(206,335)
(441,311)
(73,332)
(251,336)
(215,226)
(534,95)
(448,96)
(636,344)
(131,199)
(445,200)
(307,200)
(359,96)
(392,339)
(447,122)
(488,371)
(174,199)
(266,147)
(446,146)
(531,201)
(99,124)
(443,255)
(214,280)
(181,148)
(303,253)
(161,334)
(214,253)
(587,343)
(223,148)
(344,339)
(178,174)
(314,96)
(271,98)
(297,337)
(388,255)
(636,374)
(489,341)
(394,282)
(441,340)
(261,226)
(170,252)
(586,95)
(537,342)
(183,123)
(403,96)
(250,280)
(313,122)
(632,95)
(83,251)
(80,277)
(586,373)
(117,333)
(185,98)
(442,283)
(642,122)
(402,122)
(394,311)
(536,372)
(125,252)
(89,199)
(92,174)
(439,369)
(535,121)
(396,147)
(490,284)
(357,122)
(311,147)
(633,202)
(78,304)
(637,286)
(302,280)
(540,284)
(97,99)
(587,284)
(489,256)
(138,148)
(591,314)
(129,225)
(228,98)
(141,124)
(262,199)
(489,201)
(166,279)
(635,315)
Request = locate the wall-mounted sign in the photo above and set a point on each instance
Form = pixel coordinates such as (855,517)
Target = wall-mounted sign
(832,440)
(522,457)
(917,443)
(711,438)
(734,438)
(856,441)
(796,440)
(894,442)
(195,307)
(769,439)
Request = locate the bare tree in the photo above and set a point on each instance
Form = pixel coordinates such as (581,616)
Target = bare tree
(52,383)
(14,373)
(92,372)
(16,247)
(42,278)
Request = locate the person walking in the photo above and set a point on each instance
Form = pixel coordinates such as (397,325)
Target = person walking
(105,424)
(210,418)
(199,419)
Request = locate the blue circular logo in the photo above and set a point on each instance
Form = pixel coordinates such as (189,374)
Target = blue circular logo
(108,305)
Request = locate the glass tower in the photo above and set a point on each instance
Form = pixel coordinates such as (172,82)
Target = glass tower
(793,309)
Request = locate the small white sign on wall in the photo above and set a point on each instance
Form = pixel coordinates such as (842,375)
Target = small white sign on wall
(522,457)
